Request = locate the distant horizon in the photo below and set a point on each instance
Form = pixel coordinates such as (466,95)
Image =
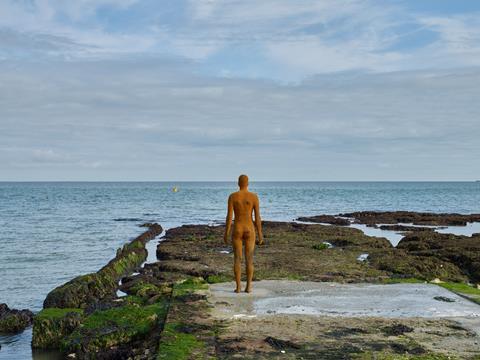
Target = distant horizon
(234,181)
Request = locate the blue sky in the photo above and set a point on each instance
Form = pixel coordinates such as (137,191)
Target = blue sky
(207,89)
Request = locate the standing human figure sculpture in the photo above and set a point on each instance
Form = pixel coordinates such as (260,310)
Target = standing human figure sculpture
(242,204)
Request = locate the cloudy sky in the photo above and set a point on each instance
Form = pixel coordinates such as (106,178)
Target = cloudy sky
(209,89)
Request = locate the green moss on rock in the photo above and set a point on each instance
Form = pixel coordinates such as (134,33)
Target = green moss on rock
(116,326)
(52,325)
(178,345)
(189,285)
(13,320)
(87,289)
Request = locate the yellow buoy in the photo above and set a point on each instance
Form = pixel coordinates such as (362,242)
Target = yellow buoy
(175,189)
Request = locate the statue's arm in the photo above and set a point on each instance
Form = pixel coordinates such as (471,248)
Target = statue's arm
(228,222)
(258,220)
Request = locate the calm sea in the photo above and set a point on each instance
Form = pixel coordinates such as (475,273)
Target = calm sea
(51,232)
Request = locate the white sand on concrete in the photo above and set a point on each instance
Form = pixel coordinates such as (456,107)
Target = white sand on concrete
(271,297)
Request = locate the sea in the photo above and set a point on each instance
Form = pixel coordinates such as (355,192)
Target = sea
(51,232)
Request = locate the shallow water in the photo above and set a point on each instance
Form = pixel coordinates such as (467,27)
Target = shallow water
(51,232)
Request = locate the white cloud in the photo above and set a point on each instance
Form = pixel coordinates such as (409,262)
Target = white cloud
(109,116)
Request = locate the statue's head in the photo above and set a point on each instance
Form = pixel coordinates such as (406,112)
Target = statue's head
(243,181)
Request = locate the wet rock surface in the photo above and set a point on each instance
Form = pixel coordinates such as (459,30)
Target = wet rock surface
(410,217)
(91,288)
(291,250)
(167,312)
(325,219)
(14,321)
(85,320)
(462,251)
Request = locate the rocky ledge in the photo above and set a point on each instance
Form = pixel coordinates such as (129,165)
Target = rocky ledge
(167,311)
(85,318)
(374,218)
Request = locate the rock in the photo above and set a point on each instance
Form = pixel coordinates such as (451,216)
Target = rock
(444,299)
(115,333)
(193,250)
(91,288)
(405,265)
(14,321)
(279,344)
(404,228)
(410,217)
(462,251)
(52,325)
(325,219)
(397,330)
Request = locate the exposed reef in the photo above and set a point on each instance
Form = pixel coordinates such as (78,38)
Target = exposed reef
(462,251)
(410,217)
(166,312)
(325,219)
(13,321)
(85,317)
(87,289)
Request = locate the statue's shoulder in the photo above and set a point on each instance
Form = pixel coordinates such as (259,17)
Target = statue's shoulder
(254,195)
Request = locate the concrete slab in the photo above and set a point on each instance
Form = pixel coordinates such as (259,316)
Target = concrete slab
(272,297)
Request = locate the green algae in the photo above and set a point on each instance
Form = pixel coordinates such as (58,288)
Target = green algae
(215,279)
(460,288)
(56,313)
(90,288)
(394,280)
(321,246)
(470,292)
(188,286)
(120,325)
(13,324)
(52,325)
(178,345)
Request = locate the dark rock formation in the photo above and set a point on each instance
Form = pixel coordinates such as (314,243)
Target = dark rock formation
(404,228)
(289,252)
(462,251)
(51,326)
(12,320)
(416,218)
(84,317)
(325,219)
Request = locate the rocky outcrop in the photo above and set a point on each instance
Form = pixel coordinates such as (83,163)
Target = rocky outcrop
(51,326)
(462,251)
(325,219)
(14,321)
(86,289)
(291,251)
(404,228)
(410,217)
(402,264)
(84,316)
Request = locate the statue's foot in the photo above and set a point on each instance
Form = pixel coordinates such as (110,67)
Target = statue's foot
(248,289)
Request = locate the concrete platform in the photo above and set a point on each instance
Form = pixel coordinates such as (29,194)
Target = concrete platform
(272,297)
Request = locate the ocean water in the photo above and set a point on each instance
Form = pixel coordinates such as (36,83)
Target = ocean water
(51,232)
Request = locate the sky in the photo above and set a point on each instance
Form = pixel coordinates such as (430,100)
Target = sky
(148,90)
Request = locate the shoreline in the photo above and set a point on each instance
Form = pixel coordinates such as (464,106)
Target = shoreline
(175,281)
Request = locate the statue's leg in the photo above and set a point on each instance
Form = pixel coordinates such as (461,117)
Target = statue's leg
(237,264)
(249,249)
